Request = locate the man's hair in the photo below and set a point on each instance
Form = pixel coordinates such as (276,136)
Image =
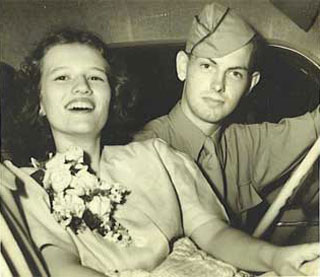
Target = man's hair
(37,128)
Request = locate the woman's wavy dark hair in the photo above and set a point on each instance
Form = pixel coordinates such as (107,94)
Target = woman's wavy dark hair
(36,136)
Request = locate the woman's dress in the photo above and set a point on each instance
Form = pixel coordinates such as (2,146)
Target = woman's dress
(169,198)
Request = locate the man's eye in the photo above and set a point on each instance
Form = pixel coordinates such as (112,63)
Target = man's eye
(205,66)
(61,78)
(236,75)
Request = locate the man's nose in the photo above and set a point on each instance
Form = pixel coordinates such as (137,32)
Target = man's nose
(218,82)
(82,86)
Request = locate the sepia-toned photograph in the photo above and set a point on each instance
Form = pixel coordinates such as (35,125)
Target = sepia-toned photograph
(159,138)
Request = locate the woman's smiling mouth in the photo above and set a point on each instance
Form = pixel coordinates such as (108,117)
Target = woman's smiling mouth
(80,105)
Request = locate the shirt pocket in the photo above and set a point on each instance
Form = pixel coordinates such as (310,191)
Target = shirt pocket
(248,197)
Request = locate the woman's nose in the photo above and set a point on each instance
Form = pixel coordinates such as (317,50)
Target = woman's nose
(218,82)
(82,86)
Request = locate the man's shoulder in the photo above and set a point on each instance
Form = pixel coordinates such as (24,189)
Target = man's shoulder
(156,128)
(164,119)
(239,129)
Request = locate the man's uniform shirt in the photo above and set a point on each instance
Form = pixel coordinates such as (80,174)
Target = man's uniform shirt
(239,161)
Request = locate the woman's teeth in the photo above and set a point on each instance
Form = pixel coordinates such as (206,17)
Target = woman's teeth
(80,106)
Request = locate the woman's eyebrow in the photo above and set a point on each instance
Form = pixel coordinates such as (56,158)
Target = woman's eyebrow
(99,69)
(55,69)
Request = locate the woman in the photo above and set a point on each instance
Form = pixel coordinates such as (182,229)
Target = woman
(162,196)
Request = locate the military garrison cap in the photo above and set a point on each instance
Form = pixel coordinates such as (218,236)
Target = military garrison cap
(217,31)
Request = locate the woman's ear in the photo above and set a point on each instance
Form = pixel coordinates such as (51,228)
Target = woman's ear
(41,111)
(182,60)
(255,78)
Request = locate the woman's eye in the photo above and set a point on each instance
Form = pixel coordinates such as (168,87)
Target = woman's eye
(61,78)
(96,78)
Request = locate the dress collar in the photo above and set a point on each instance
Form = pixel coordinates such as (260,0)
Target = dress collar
(7,177)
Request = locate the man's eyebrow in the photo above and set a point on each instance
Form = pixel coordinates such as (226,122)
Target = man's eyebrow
(239,68)
(213,61)
(231,68)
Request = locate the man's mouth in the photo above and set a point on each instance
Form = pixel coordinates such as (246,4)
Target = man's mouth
(214,100)
(80,105)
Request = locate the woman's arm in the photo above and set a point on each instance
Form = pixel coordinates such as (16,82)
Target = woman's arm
(62,263)
(243,251)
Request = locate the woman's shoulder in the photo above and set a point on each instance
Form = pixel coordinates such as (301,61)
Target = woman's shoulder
(26,181)
(148,147)
(150,151)
(16,171)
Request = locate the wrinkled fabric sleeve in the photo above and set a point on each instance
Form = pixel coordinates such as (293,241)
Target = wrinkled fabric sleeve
(199,204)
(144,135)
(44,229)
(275,149)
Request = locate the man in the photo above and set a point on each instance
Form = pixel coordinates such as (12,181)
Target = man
(218,69)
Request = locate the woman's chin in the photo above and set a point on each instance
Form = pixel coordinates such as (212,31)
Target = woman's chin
(79,131)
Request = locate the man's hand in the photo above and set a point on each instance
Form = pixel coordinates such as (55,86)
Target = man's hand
(287,261)
(232,246)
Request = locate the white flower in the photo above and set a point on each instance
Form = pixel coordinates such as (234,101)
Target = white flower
(76,190)
(84,182)
(118,189)
(68,205)
(80,166)
(119,235)
(74,153)
(106,220)
(99,205)
(61,207)
(63,220)
(58,178)
(57,161)
(117,193)
(105,186)
(115,197)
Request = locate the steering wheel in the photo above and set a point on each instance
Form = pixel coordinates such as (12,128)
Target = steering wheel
(292,183)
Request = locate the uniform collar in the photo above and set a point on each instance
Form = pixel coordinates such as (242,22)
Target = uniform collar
(191,137)
(7,178)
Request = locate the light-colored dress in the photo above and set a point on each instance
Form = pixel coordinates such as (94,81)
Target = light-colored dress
(169,199)
(18,256)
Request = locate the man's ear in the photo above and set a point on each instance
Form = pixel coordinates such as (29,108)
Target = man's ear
(255,78)
(182,65)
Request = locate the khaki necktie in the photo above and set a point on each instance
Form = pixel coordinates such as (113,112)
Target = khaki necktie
(211,166)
